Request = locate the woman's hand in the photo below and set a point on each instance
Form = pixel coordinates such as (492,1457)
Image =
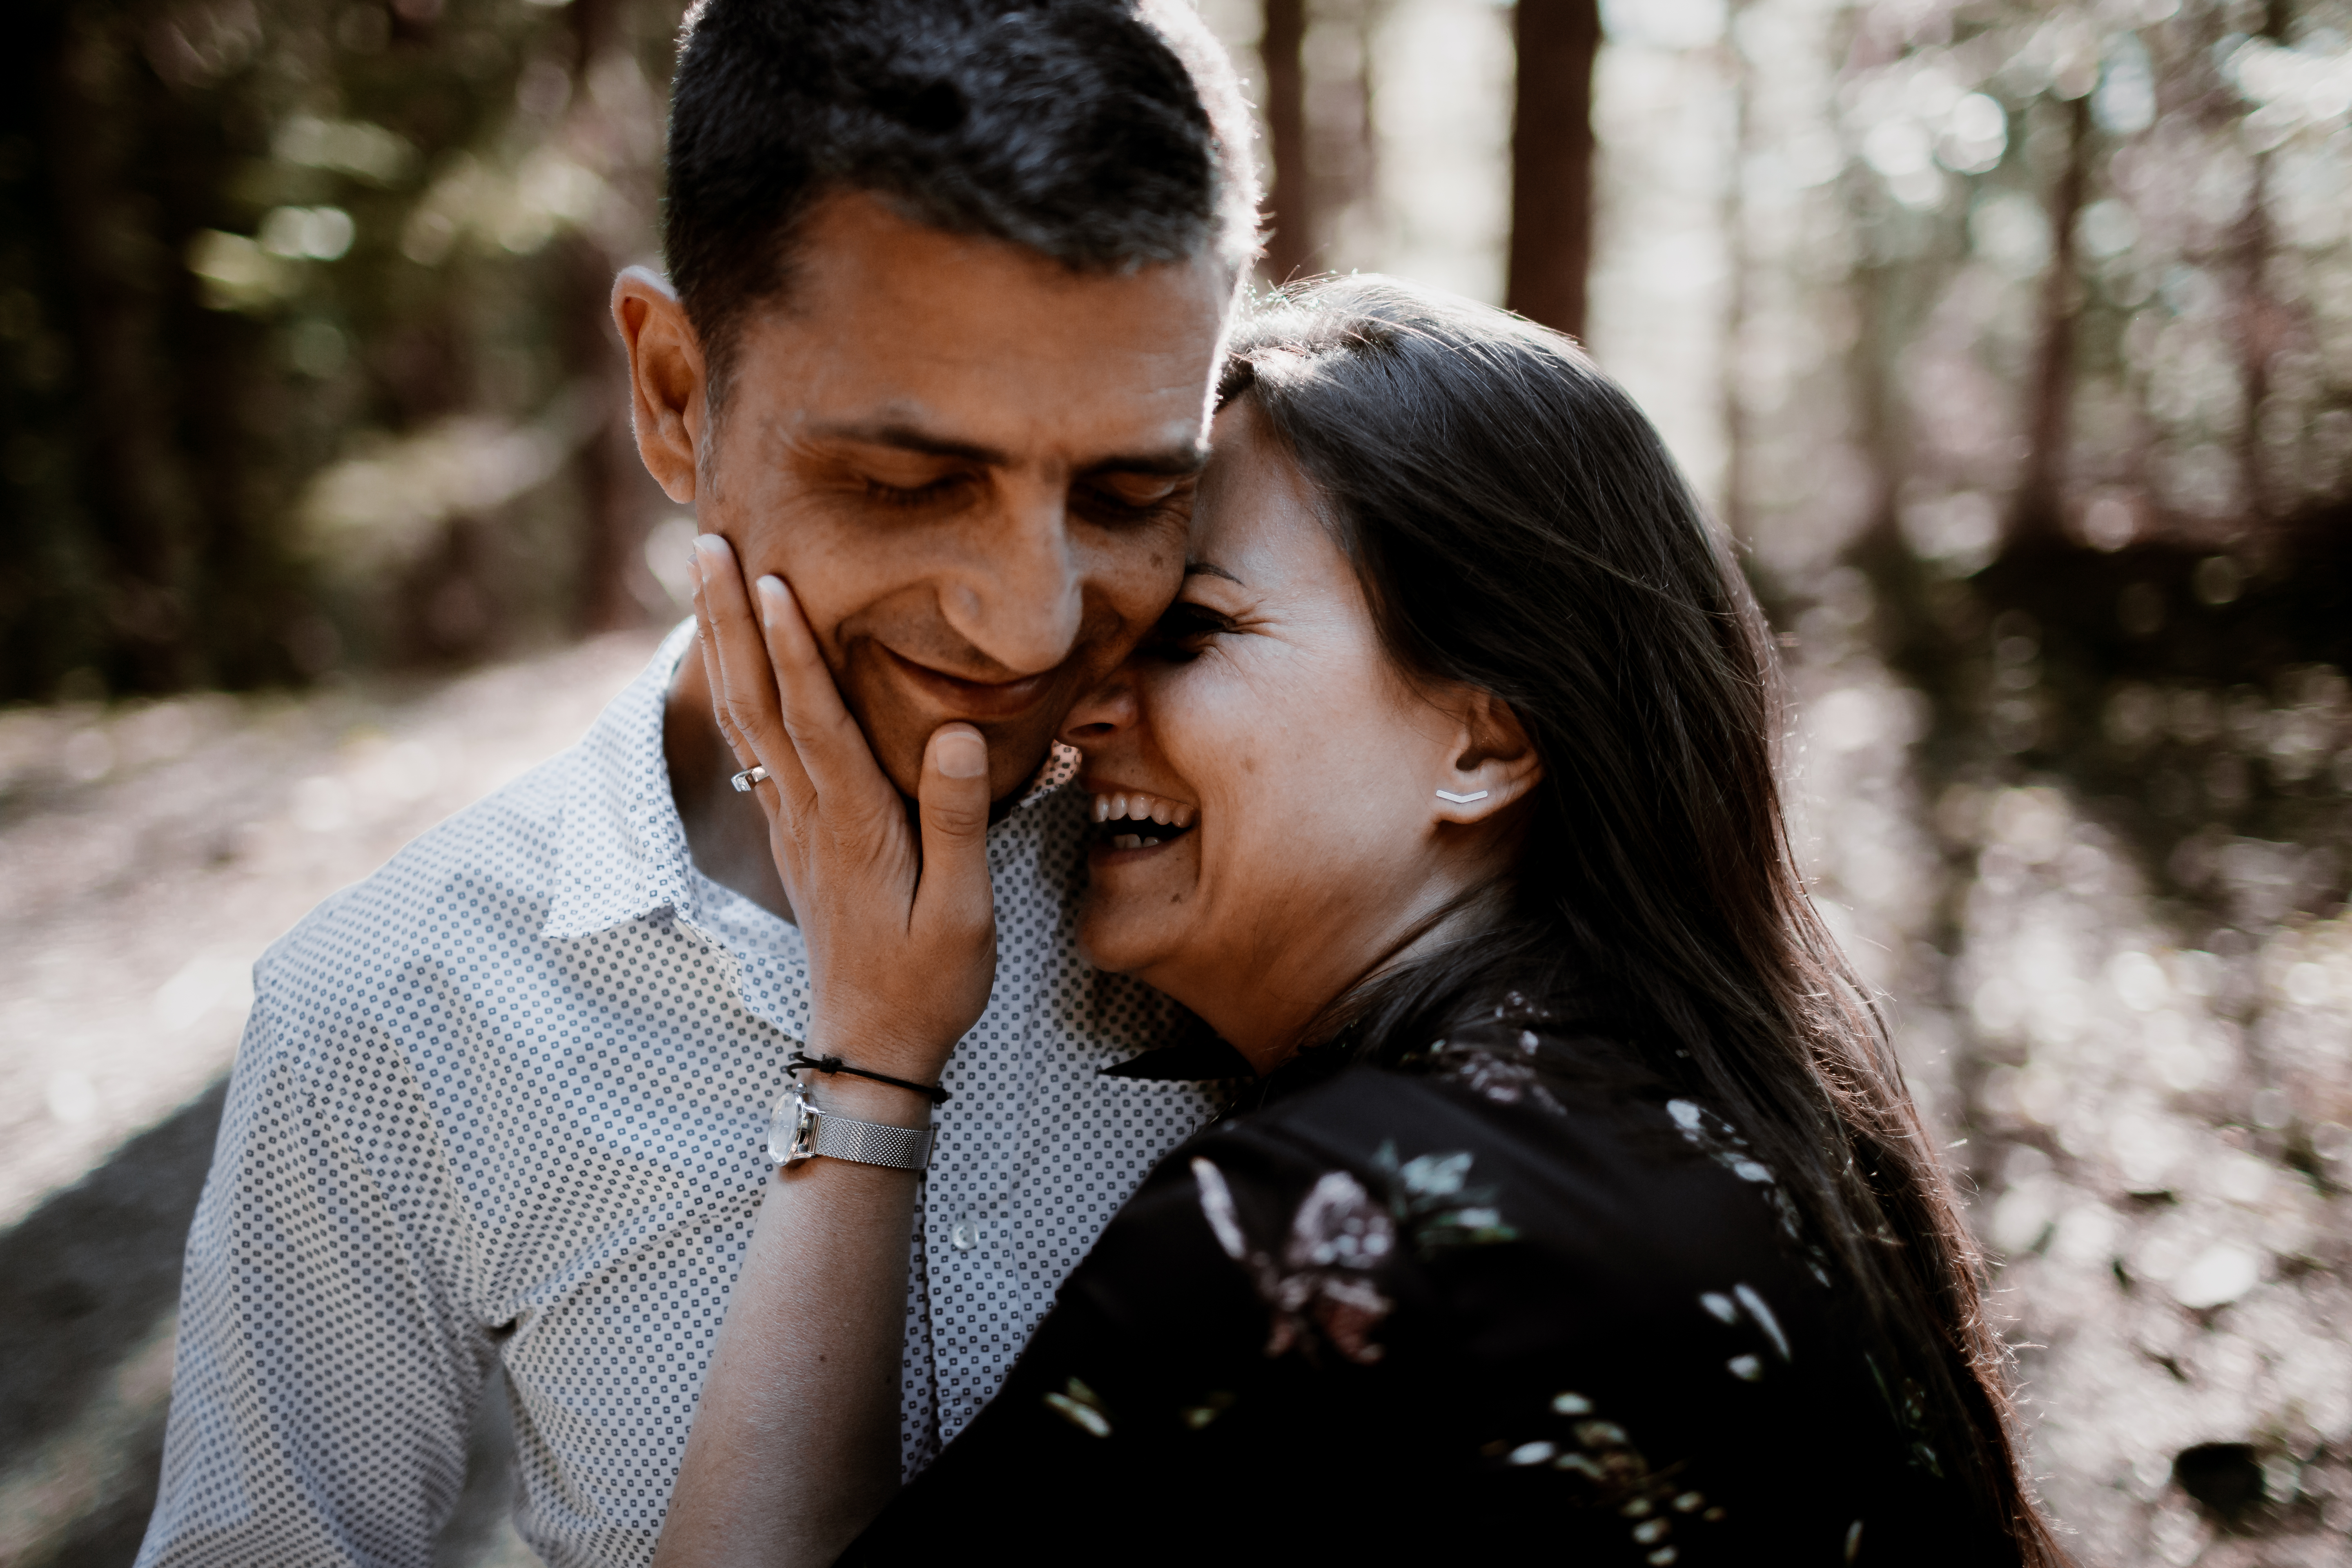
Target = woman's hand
(900,924)
(794,1445)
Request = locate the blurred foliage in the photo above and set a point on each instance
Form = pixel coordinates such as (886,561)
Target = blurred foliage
(2039,423)
(2097,286)
(303,356)
(2042,319)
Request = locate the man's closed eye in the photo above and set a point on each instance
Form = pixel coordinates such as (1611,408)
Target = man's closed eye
(945,491)
(1115,503)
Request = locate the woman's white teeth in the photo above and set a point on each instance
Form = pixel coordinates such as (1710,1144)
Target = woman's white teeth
(1134,805)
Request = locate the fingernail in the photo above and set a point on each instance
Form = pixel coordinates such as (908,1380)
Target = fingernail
(772,600)
(710,546)
(962,754)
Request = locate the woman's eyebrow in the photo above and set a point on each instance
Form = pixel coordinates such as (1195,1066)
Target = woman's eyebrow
(1210,569)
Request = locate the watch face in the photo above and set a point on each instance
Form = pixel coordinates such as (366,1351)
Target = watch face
(791,1132)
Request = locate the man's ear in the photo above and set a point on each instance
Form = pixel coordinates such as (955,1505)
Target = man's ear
(1493,764)
(666,378)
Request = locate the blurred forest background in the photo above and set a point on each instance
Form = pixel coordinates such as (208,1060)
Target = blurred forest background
(2014,341)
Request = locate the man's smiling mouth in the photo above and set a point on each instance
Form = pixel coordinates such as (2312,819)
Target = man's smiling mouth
(979,700)
(1132,819)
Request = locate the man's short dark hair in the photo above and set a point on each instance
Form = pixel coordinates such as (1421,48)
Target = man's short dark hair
(1103,133)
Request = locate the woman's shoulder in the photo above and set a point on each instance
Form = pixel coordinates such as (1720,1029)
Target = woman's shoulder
(1490,1176)
(1510,1273)
(1569,1292)
(1566,1128)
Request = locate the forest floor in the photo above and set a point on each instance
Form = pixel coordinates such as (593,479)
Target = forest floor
(151,853)
(2144,1099)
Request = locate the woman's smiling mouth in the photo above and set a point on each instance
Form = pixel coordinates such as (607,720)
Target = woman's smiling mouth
(1135,819)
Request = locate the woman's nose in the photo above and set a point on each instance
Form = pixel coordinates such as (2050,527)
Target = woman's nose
(1102,713)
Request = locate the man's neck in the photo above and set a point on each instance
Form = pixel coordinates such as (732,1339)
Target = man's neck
(725,833)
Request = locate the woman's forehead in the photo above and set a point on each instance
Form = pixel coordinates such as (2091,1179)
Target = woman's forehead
(1255,507)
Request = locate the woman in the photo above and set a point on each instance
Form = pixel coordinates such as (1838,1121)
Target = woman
(1575,1200)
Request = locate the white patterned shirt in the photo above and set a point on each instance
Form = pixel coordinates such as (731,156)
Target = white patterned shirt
(504,1103)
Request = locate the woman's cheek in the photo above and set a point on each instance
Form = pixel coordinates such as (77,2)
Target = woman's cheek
(1205,722)
(1107,933)
(1133,933)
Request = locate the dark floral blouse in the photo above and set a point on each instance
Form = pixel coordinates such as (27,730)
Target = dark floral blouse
(1478,1310)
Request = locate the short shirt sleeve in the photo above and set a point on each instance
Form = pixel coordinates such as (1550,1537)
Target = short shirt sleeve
(324,1379)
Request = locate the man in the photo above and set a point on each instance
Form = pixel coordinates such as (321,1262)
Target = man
(950,283)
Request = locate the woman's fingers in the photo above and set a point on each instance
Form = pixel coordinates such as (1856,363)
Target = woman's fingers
(830,746)
(952,799)
(743,687)
(901,936)
(770,799)
(714,674)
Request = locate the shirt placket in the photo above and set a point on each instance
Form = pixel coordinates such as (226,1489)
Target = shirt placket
(980,1300)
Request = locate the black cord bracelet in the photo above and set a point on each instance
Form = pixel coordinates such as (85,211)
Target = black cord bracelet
(929,1091)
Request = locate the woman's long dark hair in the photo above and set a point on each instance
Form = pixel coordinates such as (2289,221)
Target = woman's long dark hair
(1520,528)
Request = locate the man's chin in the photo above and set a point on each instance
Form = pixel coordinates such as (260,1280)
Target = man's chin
(1013,763)
(1014,755)
(899,715)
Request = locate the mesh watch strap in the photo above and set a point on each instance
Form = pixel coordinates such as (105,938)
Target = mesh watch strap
(871,1143)
(800,1132)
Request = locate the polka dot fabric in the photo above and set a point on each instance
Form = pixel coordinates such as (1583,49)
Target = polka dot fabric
(503,1105)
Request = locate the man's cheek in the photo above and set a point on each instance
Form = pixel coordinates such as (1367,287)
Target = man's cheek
(824,564)
(894,735)
(1134,602)
(826,625)
(871,697)
(1141,573)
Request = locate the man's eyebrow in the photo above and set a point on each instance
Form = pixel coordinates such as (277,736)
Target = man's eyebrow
(1175,462)
(1210,569)
(909,439)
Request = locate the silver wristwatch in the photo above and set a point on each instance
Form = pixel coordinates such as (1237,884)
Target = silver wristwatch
(800,1132)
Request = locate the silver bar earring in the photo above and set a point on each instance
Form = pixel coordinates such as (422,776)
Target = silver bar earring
(1462,799)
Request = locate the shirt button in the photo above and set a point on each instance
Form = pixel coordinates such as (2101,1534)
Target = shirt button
(965,1236)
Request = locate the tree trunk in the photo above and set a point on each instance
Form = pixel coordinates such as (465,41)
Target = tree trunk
(146,536)
(1739,427)
(614,510)
(1551,162)
(618,499)
(2039,517)
(1290,240)
(2261,324)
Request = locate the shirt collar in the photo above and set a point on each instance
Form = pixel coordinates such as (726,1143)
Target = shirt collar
(621,854)
(621,851)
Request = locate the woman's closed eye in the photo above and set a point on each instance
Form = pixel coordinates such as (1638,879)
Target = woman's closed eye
(1185,631)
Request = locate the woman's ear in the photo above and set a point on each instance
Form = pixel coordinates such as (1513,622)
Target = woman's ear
(1494,764)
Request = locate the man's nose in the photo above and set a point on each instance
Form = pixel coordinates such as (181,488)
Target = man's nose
(1021,598)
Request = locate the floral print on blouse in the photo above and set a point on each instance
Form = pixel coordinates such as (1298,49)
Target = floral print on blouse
(1475,1309)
